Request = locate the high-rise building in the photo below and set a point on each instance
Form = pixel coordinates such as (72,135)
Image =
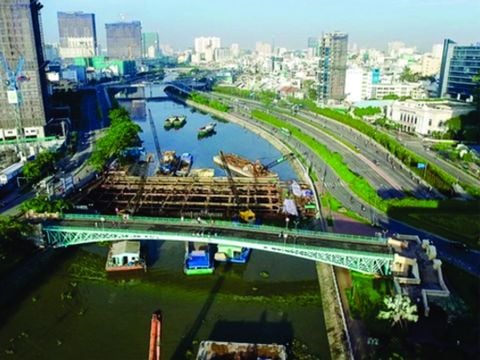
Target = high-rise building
(460,64)
(313,42)
(235,50)
(150,45)
(124,40)
(78,34)
(263,49)
(333,53)
(22,108)
(204,49)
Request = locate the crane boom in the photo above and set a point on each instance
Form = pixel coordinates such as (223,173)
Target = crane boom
(279,160)
(155,136)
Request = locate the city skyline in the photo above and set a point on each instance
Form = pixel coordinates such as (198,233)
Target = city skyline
(288,25)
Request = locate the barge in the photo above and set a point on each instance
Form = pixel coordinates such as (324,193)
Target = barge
(213,350)
(244,167)
(125,256)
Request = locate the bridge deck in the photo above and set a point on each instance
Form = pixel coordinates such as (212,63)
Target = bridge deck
(224,228)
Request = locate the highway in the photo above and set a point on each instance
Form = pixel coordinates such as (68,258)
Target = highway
(419,146)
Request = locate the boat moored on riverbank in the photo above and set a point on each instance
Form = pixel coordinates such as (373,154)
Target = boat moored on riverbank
(243,167)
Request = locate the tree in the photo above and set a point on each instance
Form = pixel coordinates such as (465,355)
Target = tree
(41,204)
(399,310)
(408,76)
(12,230)
(44,164)
(122,133)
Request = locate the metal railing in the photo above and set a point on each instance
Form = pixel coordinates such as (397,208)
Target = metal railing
(229,225)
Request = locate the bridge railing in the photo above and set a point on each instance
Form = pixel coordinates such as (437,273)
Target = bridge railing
(229,225)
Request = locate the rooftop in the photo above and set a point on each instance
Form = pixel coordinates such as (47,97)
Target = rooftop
(122,247)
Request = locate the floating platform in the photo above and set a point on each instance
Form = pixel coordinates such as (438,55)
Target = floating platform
(213,350)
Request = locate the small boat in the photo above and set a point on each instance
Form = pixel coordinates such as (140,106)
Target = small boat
(168,124)
(185,164)
(207,129)
(179,121)
(233,254)
(197,260)
(169,162)
(125,256)
(155,336)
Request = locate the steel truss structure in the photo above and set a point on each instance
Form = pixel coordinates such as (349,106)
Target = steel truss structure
(365,262)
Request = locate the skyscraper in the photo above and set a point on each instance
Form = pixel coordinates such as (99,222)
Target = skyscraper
(332,51)
(124,40)
(78,34)
(460,64)
(150,45)
(22,107)
(205,49)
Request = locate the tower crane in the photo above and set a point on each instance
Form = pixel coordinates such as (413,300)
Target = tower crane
(12,81)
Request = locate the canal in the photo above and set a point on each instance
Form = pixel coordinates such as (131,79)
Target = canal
(78,312)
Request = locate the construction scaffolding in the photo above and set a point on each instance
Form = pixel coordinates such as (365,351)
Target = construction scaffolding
(186,196)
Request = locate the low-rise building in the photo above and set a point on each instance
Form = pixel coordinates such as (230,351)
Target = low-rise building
(425,117)
(413,90)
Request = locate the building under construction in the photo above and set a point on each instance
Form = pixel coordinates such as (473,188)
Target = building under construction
(215,197)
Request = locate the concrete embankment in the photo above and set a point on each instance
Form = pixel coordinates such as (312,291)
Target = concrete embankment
(334,324)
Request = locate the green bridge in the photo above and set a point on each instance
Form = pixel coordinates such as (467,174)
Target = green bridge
(361,253)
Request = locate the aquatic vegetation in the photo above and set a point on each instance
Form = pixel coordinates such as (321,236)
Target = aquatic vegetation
(264,274)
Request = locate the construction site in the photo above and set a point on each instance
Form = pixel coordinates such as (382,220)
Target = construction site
(215,197)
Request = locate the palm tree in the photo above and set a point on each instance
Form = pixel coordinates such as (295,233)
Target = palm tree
(399,310)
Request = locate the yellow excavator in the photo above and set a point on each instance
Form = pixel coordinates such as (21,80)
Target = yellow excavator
(246,214)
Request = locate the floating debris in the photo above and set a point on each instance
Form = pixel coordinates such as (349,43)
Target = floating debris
(264,274)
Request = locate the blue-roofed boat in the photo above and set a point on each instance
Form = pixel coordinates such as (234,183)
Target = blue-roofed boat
(198,260)
(232,254)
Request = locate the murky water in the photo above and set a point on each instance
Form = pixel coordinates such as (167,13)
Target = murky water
(78,312)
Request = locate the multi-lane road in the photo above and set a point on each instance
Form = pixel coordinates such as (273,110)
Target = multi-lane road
(467,260)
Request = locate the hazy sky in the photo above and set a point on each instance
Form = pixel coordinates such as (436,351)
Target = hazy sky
(287,23)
